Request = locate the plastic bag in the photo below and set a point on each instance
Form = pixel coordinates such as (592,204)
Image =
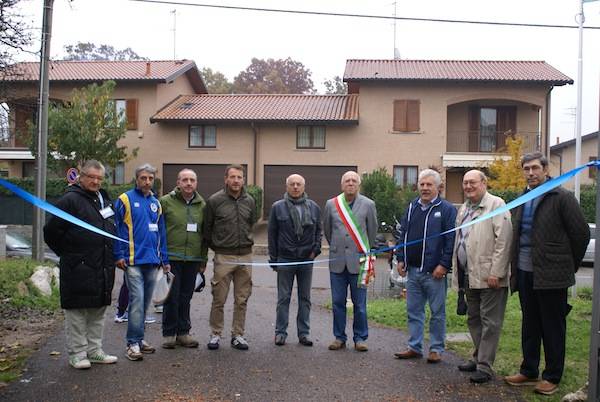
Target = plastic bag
(200,282)
(164,281)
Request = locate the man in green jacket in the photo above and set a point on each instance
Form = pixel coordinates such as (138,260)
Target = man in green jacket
(183,210)
(230,215)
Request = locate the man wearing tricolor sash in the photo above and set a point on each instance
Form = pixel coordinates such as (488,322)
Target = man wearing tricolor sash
(350,225)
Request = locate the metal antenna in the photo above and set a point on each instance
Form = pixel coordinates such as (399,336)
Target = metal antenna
(396,52)
(174,12)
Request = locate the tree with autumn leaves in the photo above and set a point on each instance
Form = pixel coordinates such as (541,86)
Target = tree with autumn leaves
(506,174)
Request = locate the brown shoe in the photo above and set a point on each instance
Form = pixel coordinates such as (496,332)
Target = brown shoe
(434,357)
(520,379)
(545,388)
(408,354)
(360,346)
(186,341)
(337,345)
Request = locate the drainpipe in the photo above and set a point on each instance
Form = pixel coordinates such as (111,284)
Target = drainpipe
(255,156)
(547,128)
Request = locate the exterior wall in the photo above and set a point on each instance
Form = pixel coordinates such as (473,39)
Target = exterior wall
(589,149)
(165,93)
(443,109)
(168,143)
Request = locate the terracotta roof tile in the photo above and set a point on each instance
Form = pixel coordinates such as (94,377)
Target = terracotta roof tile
(61,70)
(266,108)
(454,70)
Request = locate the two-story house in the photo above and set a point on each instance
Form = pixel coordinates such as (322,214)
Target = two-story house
(404,115)
(142,88)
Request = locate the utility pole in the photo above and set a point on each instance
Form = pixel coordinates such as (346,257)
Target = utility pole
(42,138)
(580,19)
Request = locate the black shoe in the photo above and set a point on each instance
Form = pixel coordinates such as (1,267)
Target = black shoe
(305,340)
(479,377)
(279,340)
(468,367)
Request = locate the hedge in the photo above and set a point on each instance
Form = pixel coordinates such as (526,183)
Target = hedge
(257,193)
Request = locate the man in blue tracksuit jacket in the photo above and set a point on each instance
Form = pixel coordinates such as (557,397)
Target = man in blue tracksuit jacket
(427,262)
(139,220)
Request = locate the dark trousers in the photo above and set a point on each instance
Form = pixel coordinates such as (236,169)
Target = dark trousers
(123,299)
(176,310)
(285,283)
(544,320)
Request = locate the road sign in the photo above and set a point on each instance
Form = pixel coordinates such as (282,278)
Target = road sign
(72,174)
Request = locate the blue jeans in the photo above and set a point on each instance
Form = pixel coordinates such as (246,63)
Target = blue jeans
(422,288)
(285,283)
(140,280)
(339,293)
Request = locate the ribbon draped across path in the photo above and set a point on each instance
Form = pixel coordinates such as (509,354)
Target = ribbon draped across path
(530,195)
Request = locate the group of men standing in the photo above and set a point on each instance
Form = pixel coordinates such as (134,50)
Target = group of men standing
(536,255)
(538,250)
(172,234)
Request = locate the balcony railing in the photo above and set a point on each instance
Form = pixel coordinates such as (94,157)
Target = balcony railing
(12,139)
(474,141)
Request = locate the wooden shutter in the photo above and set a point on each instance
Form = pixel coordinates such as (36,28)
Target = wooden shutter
(506,123)
(412,115)
(400,123)
(132,114)
(474,128)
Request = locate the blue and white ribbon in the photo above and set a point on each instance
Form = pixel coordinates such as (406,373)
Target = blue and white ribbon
(530,195)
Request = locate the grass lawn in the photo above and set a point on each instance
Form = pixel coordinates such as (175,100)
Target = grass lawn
(392,312)
(20,306)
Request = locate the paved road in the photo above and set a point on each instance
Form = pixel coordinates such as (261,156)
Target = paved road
(264,373)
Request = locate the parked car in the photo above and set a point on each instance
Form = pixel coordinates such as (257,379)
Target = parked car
(18,245)
(588,259)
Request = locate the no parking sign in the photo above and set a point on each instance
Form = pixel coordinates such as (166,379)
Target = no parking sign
(72,174)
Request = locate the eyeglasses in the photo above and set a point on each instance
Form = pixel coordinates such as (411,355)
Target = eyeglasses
(91,176)
(471,182)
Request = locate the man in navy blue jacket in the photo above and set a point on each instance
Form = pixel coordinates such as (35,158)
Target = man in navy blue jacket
(294,235)
(426,259)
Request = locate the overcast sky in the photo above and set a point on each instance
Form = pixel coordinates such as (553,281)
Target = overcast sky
(226,40)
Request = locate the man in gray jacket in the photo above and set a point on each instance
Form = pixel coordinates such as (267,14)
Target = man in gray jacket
(349,218)
(481,267)
(229,216)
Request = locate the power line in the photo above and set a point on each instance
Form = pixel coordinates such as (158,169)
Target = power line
(383,17)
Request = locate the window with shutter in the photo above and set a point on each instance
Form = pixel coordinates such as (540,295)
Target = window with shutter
(406,115)
(132,114)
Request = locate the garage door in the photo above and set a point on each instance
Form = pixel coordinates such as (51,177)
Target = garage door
(322,182)
(210,177)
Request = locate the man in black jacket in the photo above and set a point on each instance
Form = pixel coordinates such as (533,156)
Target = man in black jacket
(87,267)
(550,236)
(294,236)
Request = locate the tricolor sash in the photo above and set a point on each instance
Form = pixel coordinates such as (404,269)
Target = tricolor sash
(367,260)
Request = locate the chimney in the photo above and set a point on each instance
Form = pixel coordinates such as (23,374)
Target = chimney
(148,71)
(557,140)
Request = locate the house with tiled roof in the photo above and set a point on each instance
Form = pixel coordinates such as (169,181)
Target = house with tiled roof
(405,115)
(142,88)
(562,158)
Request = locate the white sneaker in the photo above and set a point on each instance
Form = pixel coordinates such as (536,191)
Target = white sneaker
(149,319)
(102,358)
(134,353)
(213,344)
(79,362)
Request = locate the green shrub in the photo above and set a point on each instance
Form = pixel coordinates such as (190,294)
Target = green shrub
(506,195)
(379,186)
(257,193)
(587,201)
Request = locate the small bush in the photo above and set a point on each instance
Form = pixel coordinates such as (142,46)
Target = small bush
(256,192)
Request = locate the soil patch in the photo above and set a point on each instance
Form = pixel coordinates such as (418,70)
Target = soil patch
(22,331)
